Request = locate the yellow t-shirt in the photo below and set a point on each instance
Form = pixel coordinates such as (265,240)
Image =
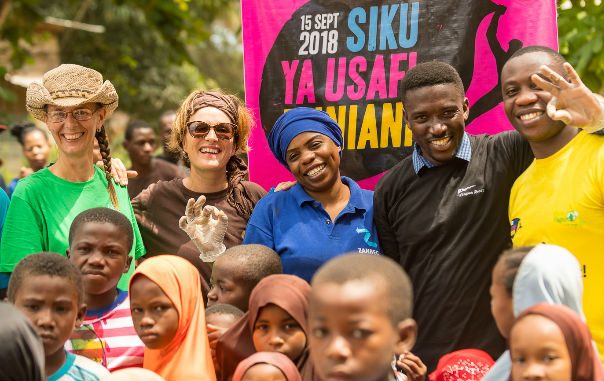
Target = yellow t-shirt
(560,200)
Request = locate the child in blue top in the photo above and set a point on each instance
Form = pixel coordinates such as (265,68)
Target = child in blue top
(47,288)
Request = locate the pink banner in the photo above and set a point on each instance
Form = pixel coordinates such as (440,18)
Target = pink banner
(348,58)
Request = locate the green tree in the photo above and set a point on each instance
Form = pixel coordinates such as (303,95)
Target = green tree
(582,38)
(143,51)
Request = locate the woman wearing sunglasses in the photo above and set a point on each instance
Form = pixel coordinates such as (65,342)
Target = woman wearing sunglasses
(210,129)
(74,102)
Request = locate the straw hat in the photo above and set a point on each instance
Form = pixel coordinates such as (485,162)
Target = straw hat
(70,85)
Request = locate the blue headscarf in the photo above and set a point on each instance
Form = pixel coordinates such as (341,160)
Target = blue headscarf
(299,120)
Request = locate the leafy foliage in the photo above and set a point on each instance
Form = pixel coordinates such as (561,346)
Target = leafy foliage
(143,51)
(582,39)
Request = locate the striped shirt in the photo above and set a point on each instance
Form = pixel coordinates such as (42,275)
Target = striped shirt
(107,336)
(78,368)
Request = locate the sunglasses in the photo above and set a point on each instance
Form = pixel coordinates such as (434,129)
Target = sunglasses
(223,131)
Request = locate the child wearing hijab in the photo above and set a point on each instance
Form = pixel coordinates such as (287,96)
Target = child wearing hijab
(551,342)
(21,352)
(168,314)
(524,277)
(276,321)
(330,208)
(263,366)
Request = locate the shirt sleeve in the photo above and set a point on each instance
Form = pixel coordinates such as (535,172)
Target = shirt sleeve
(515,151)
(259,228)
(386,235)
(21,234)
(139,247)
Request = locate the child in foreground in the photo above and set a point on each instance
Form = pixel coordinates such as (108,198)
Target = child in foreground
(47,288)
(360,318)
(524,277)
(551,342)
(99,242)
(169,317)
(275,322)
(236,272)
(263,366)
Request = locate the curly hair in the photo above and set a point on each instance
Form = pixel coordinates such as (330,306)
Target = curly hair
(240,115)
(431,73)
(45,263)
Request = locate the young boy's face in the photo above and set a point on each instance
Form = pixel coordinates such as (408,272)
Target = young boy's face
(154,316)
(51,304)
(352,336)
(100,251)
(277,331)
(228,286)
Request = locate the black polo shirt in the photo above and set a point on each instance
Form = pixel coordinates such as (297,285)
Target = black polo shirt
(446,226)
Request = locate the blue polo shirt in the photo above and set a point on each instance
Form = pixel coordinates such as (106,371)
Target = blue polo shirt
(298,228)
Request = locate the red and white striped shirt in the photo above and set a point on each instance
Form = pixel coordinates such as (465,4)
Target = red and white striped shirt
(107,336)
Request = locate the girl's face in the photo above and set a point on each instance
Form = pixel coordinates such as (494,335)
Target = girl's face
(36,149)
(539,351)
(263,372)
(211,152)
(155,317)
(502,307)
(276,331)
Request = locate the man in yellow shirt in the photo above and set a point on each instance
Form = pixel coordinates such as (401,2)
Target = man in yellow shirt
(559,199)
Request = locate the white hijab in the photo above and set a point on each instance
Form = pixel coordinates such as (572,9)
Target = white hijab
(548,274)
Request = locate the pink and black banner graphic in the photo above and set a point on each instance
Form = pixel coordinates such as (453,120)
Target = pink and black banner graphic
(349,57)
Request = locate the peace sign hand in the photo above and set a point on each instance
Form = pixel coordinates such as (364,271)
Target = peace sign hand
(206,226)
(572,102)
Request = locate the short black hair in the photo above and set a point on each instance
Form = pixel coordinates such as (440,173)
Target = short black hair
(21,130)
(255,262)
(511,260)
(103,215)
(224,309)
(133,125)
(556,57)
(431,73)
(365,267)
(45,263)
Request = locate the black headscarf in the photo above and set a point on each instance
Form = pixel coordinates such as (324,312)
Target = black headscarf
(21,350)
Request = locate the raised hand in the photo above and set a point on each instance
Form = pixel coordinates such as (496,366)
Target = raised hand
(572,102)
(206,226)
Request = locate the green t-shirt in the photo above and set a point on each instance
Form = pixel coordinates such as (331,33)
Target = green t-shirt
(42,209)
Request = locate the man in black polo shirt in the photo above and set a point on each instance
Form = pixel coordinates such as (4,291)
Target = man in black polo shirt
(442,213)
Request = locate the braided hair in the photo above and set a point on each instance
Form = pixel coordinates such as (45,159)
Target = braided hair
(101,137)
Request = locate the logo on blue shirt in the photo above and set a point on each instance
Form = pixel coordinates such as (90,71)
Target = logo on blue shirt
(367,237)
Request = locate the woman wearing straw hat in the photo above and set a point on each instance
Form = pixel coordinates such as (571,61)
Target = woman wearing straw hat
(324,214)
(210,129)
(74,102)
